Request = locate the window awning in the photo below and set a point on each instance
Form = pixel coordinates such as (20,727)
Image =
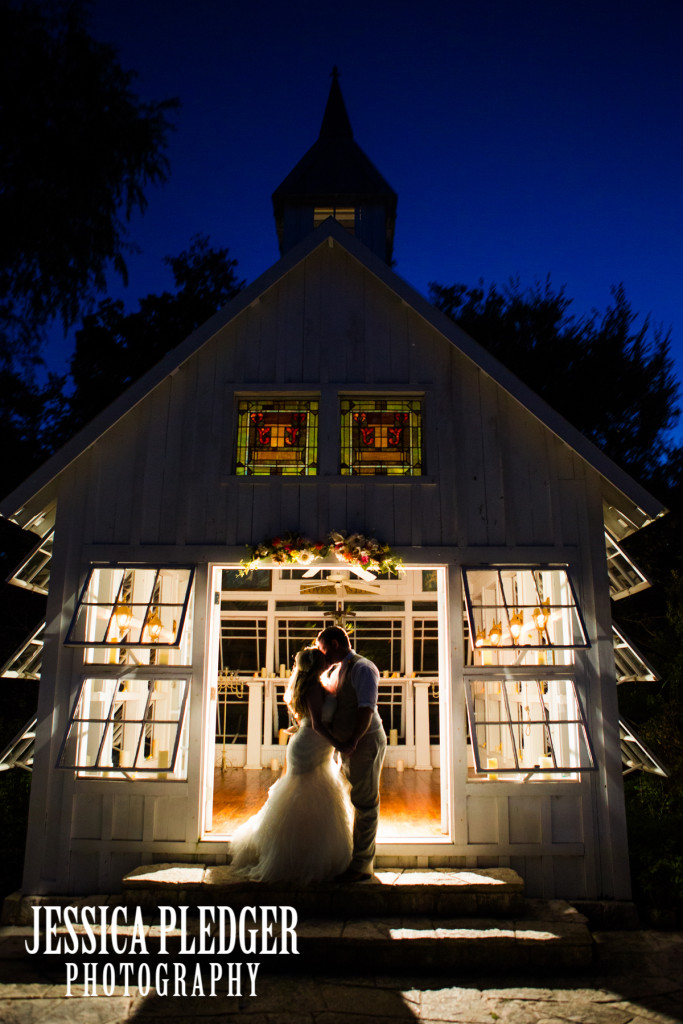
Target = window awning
(26,662)
(631,666)
(19,753)
(625,578)
(635,755)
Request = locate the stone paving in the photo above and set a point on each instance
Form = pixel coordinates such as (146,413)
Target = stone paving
(637,978)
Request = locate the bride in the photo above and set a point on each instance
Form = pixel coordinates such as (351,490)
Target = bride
(302,833)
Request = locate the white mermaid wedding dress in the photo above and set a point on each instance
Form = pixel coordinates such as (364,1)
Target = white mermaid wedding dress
(302,833)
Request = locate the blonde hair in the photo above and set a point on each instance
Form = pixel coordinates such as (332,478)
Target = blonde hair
(310,663)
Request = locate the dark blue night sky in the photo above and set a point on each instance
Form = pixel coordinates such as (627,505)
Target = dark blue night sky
(523,138)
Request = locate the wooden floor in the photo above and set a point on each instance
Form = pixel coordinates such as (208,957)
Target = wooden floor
(410,801)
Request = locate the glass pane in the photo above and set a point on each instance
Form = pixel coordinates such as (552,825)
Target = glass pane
(277,437)
(426,647)
(126,725)
(258,579)
(523,609)
(294,634)
(142,606)
(527,725)
(380,640)
(243,645)
(381,436)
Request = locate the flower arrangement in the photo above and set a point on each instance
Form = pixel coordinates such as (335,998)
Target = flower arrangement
(294,549)
(366,552)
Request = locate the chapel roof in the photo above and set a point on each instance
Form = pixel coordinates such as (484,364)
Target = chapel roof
(335,165)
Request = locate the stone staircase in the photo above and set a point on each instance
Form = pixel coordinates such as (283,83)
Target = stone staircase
(418,920)
(405,919)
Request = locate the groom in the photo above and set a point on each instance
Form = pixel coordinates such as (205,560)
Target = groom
(360,736)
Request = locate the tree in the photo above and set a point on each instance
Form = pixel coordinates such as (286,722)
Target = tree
(114,348)
(79,148)
(608,375)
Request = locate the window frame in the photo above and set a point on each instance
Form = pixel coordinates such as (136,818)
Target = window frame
(151,674)
(349,462)
(309,404)
(124,643)
(520,567)
(540,675)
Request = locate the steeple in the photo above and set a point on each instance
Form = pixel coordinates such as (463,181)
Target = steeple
(336,179)
(336,124)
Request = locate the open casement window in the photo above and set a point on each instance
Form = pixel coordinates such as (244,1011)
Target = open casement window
(522,615)
(27,660)
(34,571)
(635,755)
(625,577)
(527,726)
(277,437)
(141,606)
(19,753)
(381,436)
(132,726)
(630,664)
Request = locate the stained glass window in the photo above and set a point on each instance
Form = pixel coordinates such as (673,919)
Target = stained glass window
(381,436)
(277,437)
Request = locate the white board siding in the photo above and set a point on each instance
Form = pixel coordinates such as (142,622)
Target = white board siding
(493,472)
(496,481)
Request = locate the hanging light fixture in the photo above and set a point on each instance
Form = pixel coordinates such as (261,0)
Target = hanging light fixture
(123,614)
(154,626)
(495,634)
(541,615)
(516,625)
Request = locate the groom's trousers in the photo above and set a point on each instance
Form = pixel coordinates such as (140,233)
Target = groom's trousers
(363,770)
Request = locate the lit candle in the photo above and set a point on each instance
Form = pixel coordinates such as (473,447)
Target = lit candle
(492,762)
(400,765)
(275,764)
(393,737)
(545,762)
(264,673)
(283,671)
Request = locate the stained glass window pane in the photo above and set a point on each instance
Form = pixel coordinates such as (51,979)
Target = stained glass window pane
(277,437)
(381,437)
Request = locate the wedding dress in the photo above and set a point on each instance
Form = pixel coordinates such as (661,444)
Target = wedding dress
(302,833)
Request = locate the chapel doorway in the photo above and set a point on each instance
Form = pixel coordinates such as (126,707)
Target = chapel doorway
(269,615)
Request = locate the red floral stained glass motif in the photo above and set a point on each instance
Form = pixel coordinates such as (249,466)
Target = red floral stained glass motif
(381,436)
(277,436)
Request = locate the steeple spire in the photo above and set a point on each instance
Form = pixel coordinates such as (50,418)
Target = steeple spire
(336,123)
(336,179)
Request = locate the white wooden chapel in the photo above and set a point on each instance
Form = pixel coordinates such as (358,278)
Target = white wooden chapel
(330,396)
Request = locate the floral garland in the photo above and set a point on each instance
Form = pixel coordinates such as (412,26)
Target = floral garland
(294,549)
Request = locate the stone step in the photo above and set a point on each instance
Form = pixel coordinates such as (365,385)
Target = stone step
(550,935)
(393,893)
